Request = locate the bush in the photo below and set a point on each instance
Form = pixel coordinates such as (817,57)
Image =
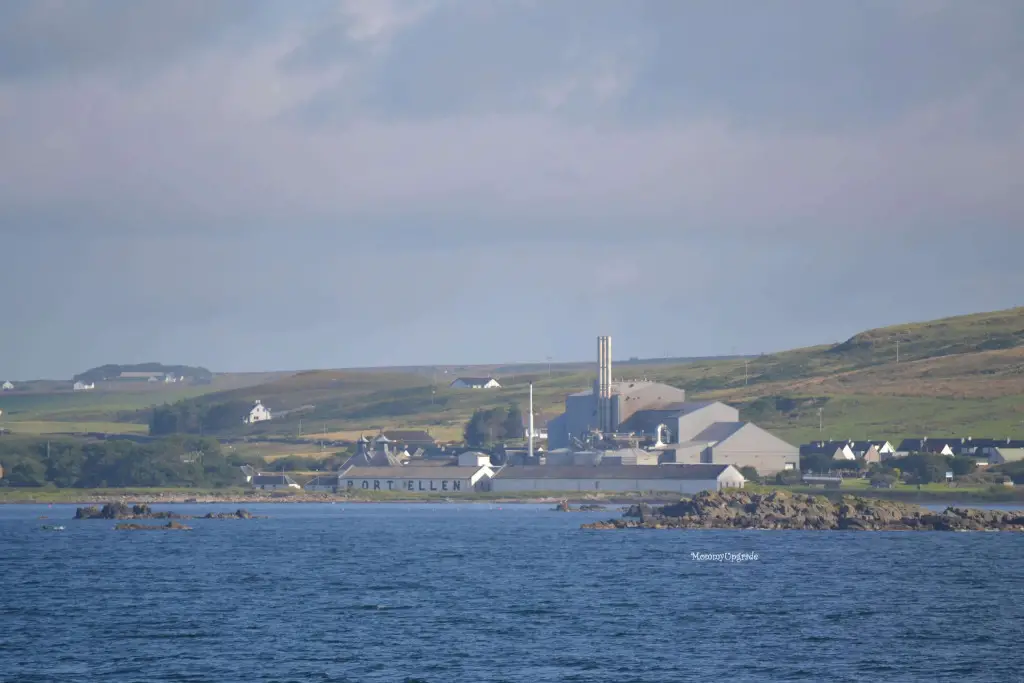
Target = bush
(750,473)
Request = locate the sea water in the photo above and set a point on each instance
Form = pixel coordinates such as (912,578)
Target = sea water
(486,592)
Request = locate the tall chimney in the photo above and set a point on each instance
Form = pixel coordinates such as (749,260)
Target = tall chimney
(530,425)
(604,384)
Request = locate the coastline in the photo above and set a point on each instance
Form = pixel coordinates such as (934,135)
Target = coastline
(24,496)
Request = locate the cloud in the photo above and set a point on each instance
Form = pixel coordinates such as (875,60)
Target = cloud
(207,162)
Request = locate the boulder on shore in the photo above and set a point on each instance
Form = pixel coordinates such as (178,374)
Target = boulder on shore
(738,509)
(143,511)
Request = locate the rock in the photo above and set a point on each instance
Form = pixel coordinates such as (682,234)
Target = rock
(737,509)
(170,526)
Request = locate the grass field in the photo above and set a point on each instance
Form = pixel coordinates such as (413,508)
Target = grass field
(38,427)
(960,376)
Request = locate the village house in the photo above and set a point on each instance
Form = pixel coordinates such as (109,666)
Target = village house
(258,413)
(82,386)
(884,449)
(837,450)
(475,383)
(8,386)
(273,482)
(937,446)
(410,438)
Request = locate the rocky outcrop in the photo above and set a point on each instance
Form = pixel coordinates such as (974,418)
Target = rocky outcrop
(240,513)
(170,526)
(123,511)
(565,507)
(782,510)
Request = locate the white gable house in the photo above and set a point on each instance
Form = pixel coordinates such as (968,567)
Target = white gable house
(82,386)
(475,383)
(8,386)
(258,413)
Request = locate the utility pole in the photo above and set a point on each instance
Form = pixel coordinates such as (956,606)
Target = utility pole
(745,374)
(820,423)
(897,350)
(549,366)
(300,427)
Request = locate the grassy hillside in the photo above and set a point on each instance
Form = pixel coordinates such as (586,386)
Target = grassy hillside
(957,376)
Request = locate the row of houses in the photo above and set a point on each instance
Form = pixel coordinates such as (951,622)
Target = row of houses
(993,451)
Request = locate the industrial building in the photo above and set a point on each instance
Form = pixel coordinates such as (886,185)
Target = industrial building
(417,479)
(681,431)
(682,479)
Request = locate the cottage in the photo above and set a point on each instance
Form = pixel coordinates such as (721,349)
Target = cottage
(863,450)
(417,479)
(258,413)
(273,482)
(474,459)
(683,479)
(475,383)
(82,386)
(8,386)
(927,445)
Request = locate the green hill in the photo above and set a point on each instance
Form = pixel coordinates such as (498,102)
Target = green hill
(956,376)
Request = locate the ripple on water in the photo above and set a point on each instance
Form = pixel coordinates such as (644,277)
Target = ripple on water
(385,593)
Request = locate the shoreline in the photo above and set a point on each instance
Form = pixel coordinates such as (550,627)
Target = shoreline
(10,496)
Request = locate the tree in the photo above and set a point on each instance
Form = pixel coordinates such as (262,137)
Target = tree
(486,427)
(512,426)
(750,473)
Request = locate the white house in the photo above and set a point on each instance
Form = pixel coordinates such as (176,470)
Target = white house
(273,482)
(685,479)
(475,383)
(417,479)
(82,386)
(7,386)
(258,413)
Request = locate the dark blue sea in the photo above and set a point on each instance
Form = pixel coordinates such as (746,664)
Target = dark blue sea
(477,592)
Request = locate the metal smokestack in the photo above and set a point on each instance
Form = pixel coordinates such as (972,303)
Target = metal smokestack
(604,384)
(530,426)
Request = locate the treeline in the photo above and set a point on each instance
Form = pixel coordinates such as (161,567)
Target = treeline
(494,425)
(191,417)
(188,462)
(112,371)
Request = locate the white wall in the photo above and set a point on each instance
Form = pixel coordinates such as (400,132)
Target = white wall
(674,485)
(408,485)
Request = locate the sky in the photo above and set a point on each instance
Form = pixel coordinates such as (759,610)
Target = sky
(254,185)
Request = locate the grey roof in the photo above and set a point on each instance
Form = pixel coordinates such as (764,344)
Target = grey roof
(474,380)
(1011,454)
(272,479)
(688,472)
(410,472)
(324,480)
(719,431)
(409,435)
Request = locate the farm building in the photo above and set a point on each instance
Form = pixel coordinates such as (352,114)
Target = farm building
(475,383)
(417,479)
(683,479)
(273,482)
(258,413)
(82,386)
(7,386)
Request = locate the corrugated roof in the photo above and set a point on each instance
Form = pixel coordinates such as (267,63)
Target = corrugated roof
(719,431)
(410,472)
(689,472)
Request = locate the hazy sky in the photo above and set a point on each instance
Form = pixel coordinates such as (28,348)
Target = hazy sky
(258,185)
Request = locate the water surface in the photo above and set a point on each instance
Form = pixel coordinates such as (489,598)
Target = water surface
(452,592)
